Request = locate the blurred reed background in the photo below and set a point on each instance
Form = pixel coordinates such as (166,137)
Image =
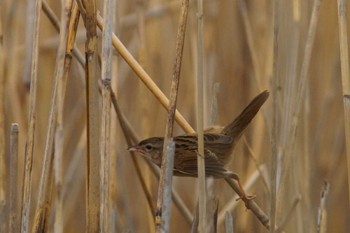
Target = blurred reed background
(300,131)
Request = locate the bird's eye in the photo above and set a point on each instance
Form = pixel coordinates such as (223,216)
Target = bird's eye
(148,147)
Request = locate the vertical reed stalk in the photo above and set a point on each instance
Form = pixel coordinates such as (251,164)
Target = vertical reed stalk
(88,9)
(165,180)
(105,201)
(3,177)
(345,75)
(14,213)
(274,132)
(29,150)
(42,210)
(202,190)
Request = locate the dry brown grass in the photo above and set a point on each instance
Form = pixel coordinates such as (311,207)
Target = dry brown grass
(296,142)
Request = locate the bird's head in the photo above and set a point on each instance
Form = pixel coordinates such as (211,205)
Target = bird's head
(151,148)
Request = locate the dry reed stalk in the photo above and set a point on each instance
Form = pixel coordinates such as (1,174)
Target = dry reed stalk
(287,149)
(251,45)
(88,10)
(105,201)
(213,209)
(131,138)
(322,212)
(275,126)
(118,45)
(3,177)
(106,60)
(115,69)
(202,189)
(33,61)
(232,203)
(345,75)
(40,220)
(195,221)
(14,222)
(166,171)
(159,10)
(251,205)
(260,169)
(306,60)
(228,222)
(164,213)
(71,26)
(288,215)
(72,31)
(72,19)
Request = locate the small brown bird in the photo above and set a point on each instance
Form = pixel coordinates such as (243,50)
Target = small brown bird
(218,147)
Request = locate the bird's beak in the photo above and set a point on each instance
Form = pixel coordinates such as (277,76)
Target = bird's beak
(134,148)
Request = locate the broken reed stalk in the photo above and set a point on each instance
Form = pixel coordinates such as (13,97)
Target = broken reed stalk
(88,10)
(14,222)
(106,60)
(29,149)
(72,30)
(40,220)
(345,75)
(145,78)
(202,189)
(165,180)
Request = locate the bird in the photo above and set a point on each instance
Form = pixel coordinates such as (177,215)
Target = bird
(218,147)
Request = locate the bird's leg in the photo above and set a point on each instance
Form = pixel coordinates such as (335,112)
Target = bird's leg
(242,195)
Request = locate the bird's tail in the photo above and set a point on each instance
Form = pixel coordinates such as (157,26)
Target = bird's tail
(235,129)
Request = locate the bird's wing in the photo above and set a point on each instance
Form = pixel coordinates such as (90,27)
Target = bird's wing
(186,165)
